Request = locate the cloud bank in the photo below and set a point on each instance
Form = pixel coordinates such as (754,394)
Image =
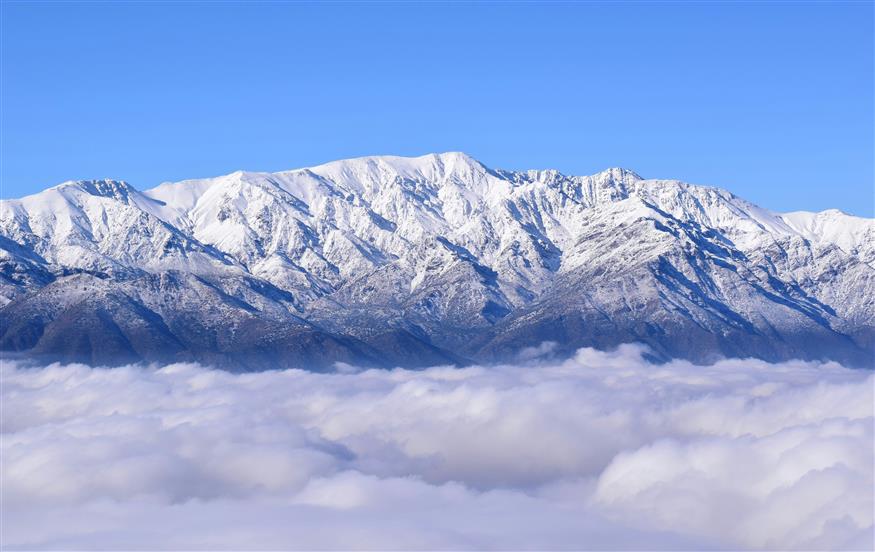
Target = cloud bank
(600,451)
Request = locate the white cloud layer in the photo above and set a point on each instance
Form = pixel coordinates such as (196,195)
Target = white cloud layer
(602,451)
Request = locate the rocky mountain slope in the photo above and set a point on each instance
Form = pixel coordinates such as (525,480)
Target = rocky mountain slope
(416,261)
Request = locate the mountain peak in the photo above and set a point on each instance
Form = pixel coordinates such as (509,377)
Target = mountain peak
(113,189)
(457,157)
(445,159)
(116,189)
(621,174)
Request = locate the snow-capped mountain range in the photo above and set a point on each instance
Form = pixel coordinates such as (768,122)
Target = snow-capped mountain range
(392,260)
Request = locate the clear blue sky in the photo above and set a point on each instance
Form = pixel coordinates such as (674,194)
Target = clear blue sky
(771,101)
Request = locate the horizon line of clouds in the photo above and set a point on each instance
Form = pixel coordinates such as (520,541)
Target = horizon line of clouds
(603,450)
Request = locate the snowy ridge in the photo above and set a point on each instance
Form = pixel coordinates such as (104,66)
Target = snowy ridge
(435,249)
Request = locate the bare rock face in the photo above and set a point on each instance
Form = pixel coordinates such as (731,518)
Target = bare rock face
(384,261)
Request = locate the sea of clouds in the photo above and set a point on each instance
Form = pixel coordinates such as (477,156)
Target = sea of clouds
(601,451)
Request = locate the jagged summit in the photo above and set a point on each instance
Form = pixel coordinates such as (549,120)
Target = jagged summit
(438,258)
(117,189)
(621,174)
(100,187)
(445,159)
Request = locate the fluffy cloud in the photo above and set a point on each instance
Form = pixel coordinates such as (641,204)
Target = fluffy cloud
(603,450)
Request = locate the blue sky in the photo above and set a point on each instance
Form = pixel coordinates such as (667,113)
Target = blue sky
(771,101)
